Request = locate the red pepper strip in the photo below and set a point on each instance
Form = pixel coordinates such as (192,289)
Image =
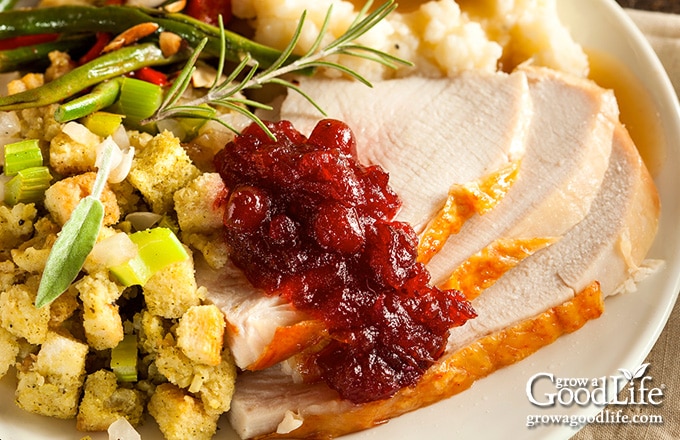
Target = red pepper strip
(208,10)
(151,75)
(26,40)
(103,39)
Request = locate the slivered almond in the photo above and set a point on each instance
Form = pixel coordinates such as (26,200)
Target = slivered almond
(177,6)
(170,43)
(481,270)
(131,35)
(465,200)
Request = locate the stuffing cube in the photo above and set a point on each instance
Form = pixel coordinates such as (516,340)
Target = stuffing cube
(197,204)
(62,197)
(172,290)
(52,383)
(217,384)
(8,274)
(181,416)
(212,247)
(19,316)
(214,384)
(101,320)
(69,157)
(16,224)
(9,349)
(152,332)
(104,402)
(159,169)
(200,334)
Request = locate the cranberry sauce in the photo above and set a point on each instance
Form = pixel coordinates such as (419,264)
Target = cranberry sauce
(306,221)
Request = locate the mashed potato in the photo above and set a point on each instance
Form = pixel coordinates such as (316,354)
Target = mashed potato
(441,37)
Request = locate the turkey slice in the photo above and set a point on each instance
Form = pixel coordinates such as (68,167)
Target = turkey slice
(607,246)
(479,124)
(427,133)
(567,154)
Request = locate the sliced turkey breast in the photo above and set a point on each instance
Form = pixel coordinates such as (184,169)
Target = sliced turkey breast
(403,128)
(566,157)
(427,133)
(607,246)
(261,329)
(479,124)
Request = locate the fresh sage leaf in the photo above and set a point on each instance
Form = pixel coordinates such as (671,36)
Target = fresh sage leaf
(78,235)
(74,243)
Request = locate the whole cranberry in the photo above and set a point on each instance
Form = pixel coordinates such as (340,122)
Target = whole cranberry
(331,133)
(247,208)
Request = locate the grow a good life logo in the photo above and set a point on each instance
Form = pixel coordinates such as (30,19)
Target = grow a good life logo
(632,387)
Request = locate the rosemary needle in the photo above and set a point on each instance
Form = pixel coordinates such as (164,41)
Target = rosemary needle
(227,93)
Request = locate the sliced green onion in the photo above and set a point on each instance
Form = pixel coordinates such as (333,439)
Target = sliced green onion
(124,359)
(157,248)
(21,155)
(28,186)
(102,123)
(139,99)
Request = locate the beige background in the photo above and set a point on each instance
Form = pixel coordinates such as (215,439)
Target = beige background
(663,32)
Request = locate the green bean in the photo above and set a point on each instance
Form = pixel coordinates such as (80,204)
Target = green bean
(115,19)
(35,58)
(105,67)
(102,95)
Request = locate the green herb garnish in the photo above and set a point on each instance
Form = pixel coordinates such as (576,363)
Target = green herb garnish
(77,237)
(226,93)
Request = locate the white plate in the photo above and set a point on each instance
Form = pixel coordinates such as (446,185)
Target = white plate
(497,407)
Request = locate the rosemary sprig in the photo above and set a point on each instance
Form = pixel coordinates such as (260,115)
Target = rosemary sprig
(227,92)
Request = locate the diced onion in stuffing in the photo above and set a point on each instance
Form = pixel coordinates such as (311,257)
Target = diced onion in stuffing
(79,133)
(113,250)
(121,429)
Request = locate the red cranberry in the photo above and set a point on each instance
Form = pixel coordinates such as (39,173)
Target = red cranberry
(392,252)
(307,221)
(247,207)
(331,133)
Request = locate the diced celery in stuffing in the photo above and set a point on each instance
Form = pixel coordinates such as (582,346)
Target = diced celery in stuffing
(157,249)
